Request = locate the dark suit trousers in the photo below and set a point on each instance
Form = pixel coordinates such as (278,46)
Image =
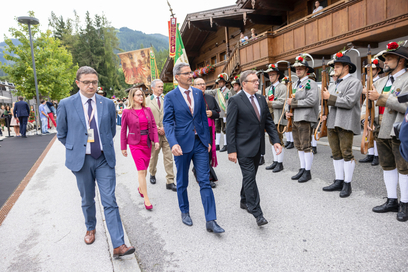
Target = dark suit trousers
(199,155)
(100,171)
(23,125)
(249,190)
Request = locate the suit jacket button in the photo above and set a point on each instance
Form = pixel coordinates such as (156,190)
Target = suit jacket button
(86,134)
(84,144)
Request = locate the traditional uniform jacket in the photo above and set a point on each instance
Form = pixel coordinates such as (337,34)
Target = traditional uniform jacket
(227,93)
(344,105)
(306,101)
(394,111)
(276,106)
(363,108)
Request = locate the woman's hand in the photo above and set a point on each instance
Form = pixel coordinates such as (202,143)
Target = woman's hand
(124,153)
(156,146)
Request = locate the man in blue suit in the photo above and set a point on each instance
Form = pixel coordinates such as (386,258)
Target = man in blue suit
(86,127)
(186,126)
(22,111)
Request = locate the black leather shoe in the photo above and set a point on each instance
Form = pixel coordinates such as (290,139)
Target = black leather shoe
(185,217)
(278,168)
(391,205)
(367,159)
(212,226)
(306,176)
(172,187)
(336,186)
(260,220)
(314,149)
(243,206)
(217,148)
(224,148)
(299,174)
(272,166)
(290,146)
(286,144)
(152,179)
(262,160)
(212,184)
(346,191)
(402,214)
(375,161)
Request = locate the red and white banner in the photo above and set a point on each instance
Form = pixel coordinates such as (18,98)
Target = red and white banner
(172,37)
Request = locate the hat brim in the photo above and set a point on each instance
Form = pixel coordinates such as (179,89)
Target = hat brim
(381,57)
(293,68)
(353,67)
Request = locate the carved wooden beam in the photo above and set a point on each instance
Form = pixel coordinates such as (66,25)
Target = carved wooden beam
(204,26)
(364,44)
(229,23)
(265,19)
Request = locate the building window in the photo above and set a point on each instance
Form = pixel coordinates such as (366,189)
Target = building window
(200,65)
(214,60)
(223,56)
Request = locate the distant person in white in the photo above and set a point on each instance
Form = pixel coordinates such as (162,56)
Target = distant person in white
(318,7)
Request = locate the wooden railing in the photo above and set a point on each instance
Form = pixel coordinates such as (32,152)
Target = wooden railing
(232,62)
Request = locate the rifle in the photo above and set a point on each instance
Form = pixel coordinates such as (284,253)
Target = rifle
(284,104)
(290,93)
(363,80)
(324,108)
(370,114)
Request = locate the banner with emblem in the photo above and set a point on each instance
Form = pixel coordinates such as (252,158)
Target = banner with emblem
(221,99)
(181,54)
(136,66)
(153,65)
(172,37)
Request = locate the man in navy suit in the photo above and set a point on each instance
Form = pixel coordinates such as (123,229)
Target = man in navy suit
(186,127)
(22,111)
(86,127)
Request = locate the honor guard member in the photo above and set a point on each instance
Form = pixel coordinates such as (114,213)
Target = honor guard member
(236,84)
(343,122)
(155,103)
(276,96)
(372,156)
(305,104)
(221,94)
(312,76)
(395,168)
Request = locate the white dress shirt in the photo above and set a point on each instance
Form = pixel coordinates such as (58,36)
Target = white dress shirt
(84,100)
(400,73)
(256,102)
(182,90)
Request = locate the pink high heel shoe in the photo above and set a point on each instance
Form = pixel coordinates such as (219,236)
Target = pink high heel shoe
(148,207)
(138,189)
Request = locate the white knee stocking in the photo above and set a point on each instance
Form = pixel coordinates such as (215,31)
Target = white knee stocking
(217,138)
(391,182)
(302,159)
(349,170)
(314,142)
(339,169)
(371,151)
(308,160)
(375,149)
(403,183)
(225,139)
(275,157)
(280,156)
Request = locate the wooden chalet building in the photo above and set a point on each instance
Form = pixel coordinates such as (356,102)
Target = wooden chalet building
(284,29)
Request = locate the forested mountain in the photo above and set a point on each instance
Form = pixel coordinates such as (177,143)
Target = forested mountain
(132,39)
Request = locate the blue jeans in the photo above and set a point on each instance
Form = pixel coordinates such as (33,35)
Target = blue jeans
(119,120)
(44,124)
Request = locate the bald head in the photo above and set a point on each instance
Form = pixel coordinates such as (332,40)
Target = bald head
(199,83)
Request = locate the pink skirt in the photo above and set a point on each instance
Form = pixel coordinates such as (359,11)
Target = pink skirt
(141,154)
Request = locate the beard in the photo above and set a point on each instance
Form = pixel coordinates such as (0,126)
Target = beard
(388,69)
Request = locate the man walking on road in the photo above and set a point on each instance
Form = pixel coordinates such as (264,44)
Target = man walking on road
(22,111)
(155,102)
(86,127)
(248,117)
(186,126)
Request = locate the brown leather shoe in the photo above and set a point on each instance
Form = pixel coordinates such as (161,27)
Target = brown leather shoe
(90,237)
(123,250)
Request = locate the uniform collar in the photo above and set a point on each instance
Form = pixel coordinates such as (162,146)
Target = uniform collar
(346,76)
(400,73)
(275,84)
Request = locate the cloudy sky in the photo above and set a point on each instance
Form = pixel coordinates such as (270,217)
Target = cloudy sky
(149,16)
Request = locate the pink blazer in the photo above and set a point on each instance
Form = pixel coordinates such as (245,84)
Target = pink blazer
(131,120)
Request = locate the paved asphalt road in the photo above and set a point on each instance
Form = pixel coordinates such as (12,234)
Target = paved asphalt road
(308,230)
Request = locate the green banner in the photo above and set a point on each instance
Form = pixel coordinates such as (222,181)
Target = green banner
(153,67)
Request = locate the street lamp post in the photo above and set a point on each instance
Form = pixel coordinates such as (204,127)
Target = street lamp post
(32,21)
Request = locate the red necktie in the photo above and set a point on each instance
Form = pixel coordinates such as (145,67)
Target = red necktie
(189,100)
(158,102)
(255,108)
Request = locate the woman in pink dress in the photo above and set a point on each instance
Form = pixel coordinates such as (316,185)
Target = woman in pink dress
(142,132)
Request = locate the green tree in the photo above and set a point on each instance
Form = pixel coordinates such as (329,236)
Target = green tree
(54,66)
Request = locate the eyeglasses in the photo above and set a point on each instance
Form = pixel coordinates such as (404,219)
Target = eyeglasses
(200,84)
(140,95)
(187,73)
(255,81)
(87,82)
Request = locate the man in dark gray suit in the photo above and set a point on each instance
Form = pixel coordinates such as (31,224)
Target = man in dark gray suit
(248,118)
(22,111)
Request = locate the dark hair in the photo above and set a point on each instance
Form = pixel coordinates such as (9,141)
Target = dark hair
(42,101)
(85,70)
(20,98)
(8,108)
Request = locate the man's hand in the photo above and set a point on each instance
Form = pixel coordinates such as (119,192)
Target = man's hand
(233,157)
(288,115)
(176,150)
(373,95)
(209,113)
(278,148)
(326,93)
(364,91)
(156,146)
(324,117)
(289,101)
(160,131)
(124,153)
(209,148)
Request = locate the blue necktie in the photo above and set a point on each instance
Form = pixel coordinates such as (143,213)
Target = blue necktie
(95,146)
